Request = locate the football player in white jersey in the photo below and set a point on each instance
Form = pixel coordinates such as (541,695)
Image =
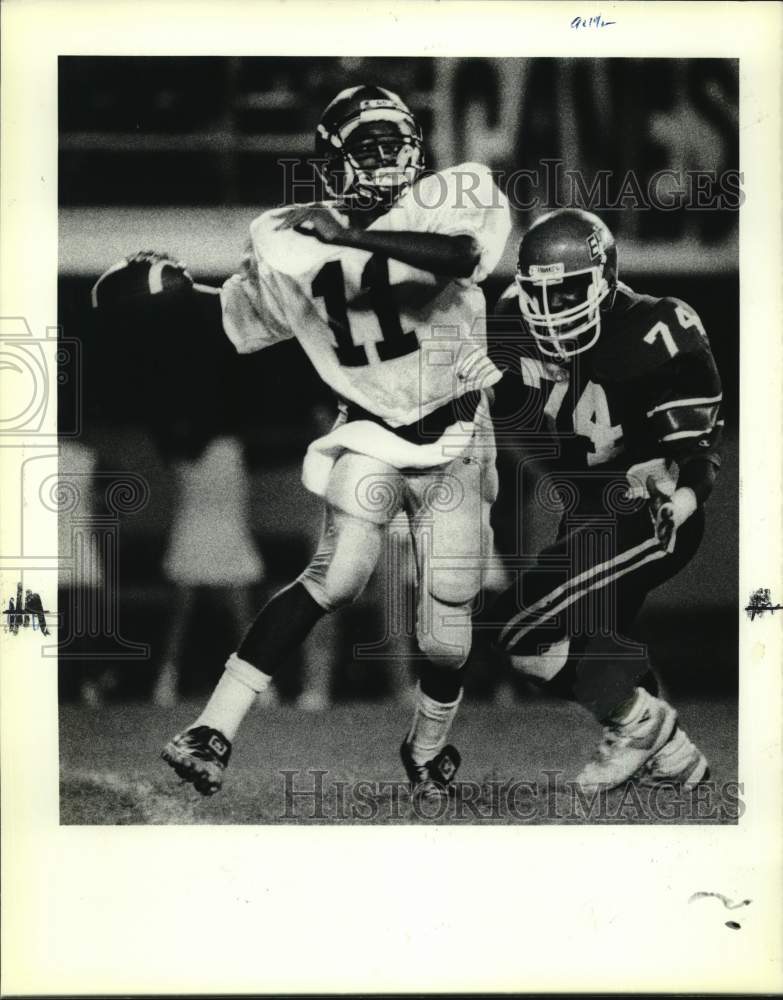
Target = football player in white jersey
(380,286)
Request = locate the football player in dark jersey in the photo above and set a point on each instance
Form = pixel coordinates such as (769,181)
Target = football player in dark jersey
(618,396)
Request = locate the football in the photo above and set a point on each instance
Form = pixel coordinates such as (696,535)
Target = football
(138,278)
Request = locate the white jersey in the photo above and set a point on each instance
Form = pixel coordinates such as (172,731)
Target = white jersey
(397,358)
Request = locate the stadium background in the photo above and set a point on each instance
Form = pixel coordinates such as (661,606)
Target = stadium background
(179,154)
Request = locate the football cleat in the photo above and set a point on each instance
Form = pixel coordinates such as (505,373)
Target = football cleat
(628,745)
(678,762)
(199,755)
(433,778)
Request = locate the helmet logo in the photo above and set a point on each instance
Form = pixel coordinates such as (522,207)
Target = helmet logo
(377,102)
(547,270)
(555,372)
(595,245)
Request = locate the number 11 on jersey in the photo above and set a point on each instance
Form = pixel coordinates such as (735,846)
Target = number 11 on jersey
(329,285)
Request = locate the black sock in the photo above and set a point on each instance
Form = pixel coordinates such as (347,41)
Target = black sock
(441,685)
(280,626)
(601,687)
(649,682)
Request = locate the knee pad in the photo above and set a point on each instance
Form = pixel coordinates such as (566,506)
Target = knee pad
(456,585)
(344,562)
(444,632)
(365,488)
(543,667)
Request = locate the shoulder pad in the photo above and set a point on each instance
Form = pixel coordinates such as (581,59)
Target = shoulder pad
(464,176)
(642,334)
(468,187)
(285,250)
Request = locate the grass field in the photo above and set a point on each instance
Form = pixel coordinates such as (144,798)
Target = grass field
(342,766)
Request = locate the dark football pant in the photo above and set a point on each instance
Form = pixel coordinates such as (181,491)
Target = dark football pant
(588,588)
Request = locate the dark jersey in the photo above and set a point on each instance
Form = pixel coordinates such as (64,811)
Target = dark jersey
(644,400)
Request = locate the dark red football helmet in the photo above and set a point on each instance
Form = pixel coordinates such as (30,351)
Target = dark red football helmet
(566,274)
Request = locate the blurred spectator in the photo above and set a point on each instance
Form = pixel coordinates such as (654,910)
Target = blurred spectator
(80,551)
(210,550)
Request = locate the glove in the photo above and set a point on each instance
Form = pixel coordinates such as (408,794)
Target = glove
(669,512)
(139,277)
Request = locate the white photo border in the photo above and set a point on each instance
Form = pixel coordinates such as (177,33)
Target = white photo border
(242,909)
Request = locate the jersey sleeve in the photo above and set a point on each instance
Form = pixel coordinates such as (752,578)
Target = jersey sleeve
(252,300)
(522,394)
(465,201)
(685,411)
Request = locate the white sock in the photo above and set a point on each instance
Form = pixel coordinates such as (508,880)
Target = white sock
(235,693)
(431,724)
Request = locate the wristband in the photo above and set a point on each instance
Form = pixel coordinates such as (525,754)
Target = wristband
(683,504)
